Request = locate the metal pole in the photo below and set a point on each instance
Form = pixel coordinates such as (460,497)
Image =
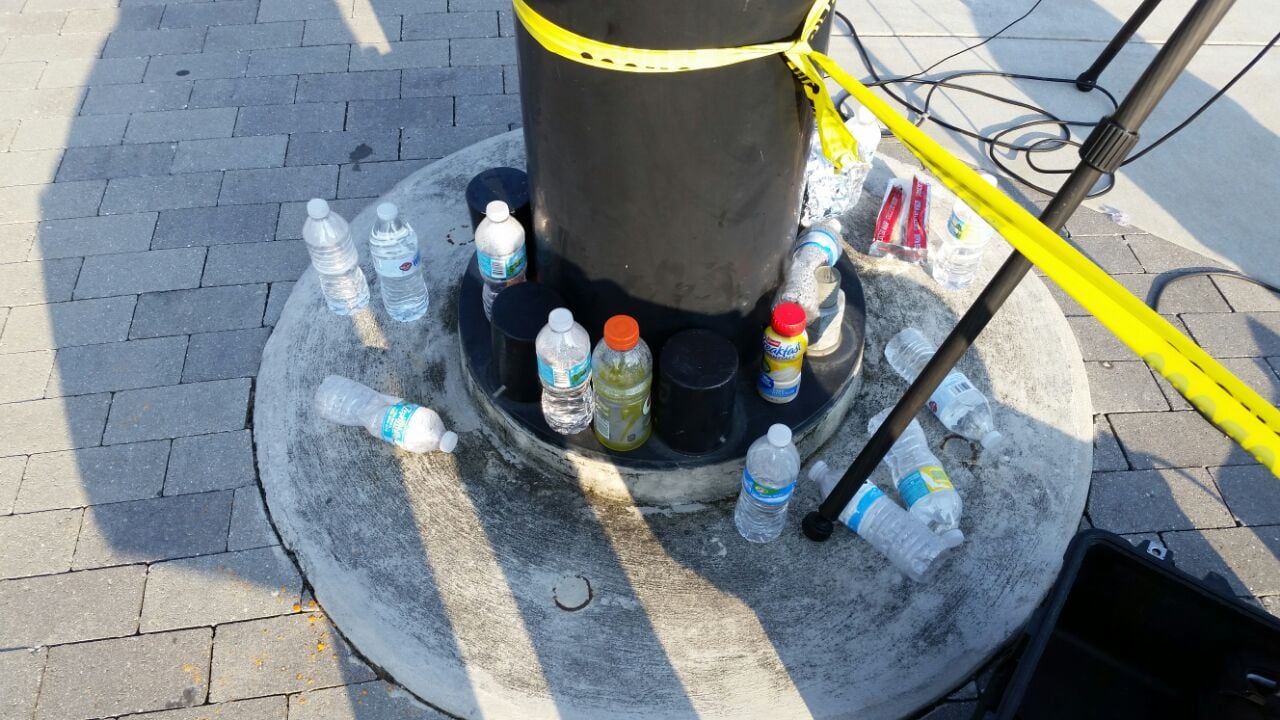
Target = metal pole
(1088,80)
(1103,152)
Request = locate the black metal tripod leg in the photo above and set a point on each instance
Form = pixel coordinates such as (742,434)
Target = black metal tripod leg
(1088,79)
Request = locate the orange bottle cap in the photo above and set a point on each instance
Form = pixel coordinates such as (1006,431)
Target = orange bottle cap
(621,332)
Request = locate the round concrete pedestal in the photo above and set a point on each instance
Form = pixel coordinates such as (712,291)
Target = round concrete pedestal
(491,588)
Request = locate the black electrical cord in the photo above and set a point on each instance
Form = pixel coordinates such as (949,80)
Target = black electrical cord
(1162,284)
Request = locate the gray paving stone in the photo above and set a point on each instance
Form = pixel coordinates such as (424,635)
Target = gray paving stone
(267,708)
(374,179)
(1252,334)
(8,128)
(436,26)
(467,5)
(139,272)
(53,47)
(238,153)
(1174,439)
(343,86)
(223,355)
(21,76)
(298,60)
(71,607)
(254,37)
(81,131)
(282,260)
(137,43)
(31,23)
(20,674)
(482,51)
(94,235)
(23,376)
(204,14)
(38,543)
(1156,501)
(1086,221)
(114,677)
(280,655)
(35,104)
(174,125)
(113,19)
(93,476)
(285,119)
(294,214)
(274,10)
(1245,296)
(1193,294)
(250,527)
(404,113)
(124,99)
(1274,362)
(215,226)
(46,425)
(1253,372)
(400,7)
(333,148)
(154,529)
(1246,557)
(1112,254)
(136,194)
(1251,492)
(204,310)
(474,109)
(33,203)
(442,141)
(80,72)
(241,92)
(279,185)
(1097,343)
(83,322)
(506,23)
(1159,256)
(169,412)
(10,480)
(222,588)
(1124,387)
(199,66)
(365,701)
(342,32)
(117,366)
(33,283)
(31,167)
(446,81)
(16,241)
(400,55)
(210,462)
(275,302)
(112,161)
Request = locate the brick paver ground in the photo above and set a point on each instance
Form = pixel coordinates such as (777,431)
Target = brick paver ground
(154,161)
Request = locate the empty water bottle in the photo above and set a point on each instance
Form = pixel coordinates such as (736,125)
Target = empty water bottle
(403,424)
(894,532)
(500,252)
(956,259)
(828,193)
(922,482)
(960,406)
(768,482)
(564,367)
(393,245)
(333,255)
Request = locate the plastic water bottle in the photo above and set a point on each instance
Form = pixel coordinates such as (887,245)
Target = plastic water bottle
(333,255)
(393,245)
(828,193)
(960,406)
(894,532)
(922,482)
(819,246)
(500,252)
(957,259)
(621,378)
(564,367)
(403,424)
(768,482)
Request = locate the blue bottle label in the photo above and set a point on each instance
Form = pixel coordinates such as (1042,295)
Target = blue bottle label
(764,493)
(830,247)
(395,423)
(565,378)
(501,267)
(928,479)
(862,502)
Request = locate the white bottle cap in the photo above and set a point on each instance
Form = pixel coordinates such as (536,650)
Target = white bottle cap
(560,320)
(388,211)
(318,209)
(952,538)
(991,179)
(779,435)
(497,211)
(448,441)
(991,439)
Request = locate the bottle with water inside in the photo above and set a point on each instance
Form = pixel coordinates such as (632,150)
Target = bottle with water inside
(403,424)
(564,367)
(333,255)
(500,252)
(922,482)
(960,406)
(956,259)
(894,532)
(393,245)
(768,482)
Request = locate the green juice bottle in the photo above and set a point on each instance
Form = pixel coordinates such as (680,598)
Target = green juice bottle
(622,376)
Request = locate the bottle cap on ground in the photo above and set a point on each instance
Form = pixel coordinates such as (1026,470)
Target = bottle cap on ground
(318,209)
(497,211)
(788,319)
(779,435)
(991,439)
(388,211)
(560,320)
(448,441)
(621,332)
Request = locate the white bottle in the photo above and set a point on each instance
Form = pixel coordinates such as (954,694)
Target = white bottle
(333,255)
(564,367)
(768,482)
(819,246)
(406,425)
(393,245)
(500,252)
(894,532)
(829,193)
(957,258)
(922,482)
(959,406)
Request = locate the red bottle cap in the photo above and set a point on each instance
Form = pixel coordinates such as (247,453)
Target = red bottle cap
(788,319)
(621,332)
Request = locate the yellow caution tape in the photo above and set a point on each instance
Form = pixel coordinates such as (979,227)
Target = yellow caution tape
(1220,396)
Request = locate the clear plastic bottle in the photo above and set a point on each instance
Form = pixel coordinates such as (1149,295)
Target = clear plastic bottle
(892,531)
(621,378)
(829,193)
(819,246)
(957,258)
(393,245)
(500,252)
(412,427)
(768,482)
(957,403)
(333,255)
(564,367)
(922,482)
